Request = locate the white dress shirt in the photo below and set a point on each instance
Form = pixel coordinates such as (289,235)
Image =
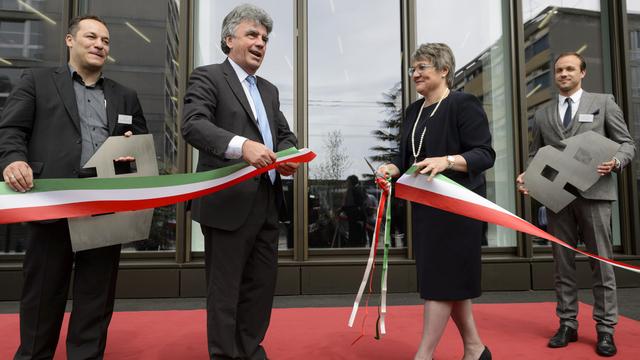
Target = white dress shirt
(575,102)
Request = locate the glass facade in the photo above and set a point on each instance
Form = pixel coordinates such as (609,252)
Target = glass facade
(339,68)
(30,36)
(551,28)
(354,108)
(633,97)
(143,56)
(277,68)
(480,44)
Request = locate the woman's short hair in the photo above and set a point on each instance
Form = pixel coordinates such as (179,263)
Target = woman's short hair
(440,56)
(244,12)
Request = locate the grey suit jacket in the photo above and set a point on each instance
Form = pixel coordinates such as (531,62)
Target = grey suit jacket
(215,110)
(608,120)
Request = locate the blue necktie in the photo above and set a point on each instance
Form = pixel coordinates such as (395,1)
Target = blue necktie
(566,121)
(263,122)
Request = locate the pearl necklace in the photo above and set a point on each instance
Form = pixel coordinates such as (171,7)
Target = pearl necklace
(413,132)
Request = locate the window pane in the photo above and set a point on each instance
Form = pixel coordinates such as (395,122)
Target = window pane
(633,21)
(355,104)
(479,41)
(30,36)
(551,29)
(277,67)
(144,57)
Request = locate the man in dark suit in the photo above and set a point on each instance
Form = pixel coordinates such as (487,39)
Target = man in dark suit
(588,217)
(231,116)
(53,122)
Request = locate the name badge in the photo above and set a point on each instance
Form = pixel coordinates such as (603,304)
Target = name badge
(128,119)
(586,118)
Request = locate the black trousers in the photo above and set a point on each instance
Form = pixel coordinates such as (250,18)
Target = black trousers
(241,268)
(47,273)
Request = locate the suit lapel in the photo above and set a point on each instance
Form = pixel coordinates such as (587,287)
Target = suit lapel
(64,83)
(238,91)
(554,117)
(113,104)
(586,100)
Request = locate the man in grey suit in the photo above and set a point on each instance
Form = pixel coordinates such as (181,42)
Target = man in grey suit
(588,217)
(231,116)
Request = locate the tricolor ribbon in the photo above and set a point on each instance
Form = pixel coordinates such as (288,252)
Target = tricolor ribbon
(445,194)
(385,199)
(68,198)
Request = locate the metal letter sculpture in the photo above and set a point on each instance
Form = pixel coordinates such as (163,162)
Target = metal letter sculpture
(122,227)
(551,170)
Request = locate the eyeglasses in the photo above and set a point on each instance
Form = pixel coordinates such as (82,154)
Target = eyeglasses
(420,69)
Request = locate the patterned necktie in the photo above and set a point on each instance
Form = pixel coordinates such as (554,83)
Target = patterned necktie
(263,122)
(566,121)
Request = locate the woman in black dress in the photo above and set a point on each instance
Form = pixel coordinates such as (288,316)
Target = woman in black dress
(445,132)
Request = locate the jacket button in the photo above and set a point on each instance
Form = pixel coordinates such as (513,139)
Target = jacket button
(79,141)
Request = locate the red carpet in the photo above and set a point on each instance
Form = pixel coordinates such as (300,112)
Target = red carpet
(512,331)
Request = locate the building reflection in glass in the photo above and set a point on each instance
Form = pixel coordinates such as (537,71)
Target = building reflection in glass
(482,69)
(552,31)
(31,34)
(144,56)
(633,22)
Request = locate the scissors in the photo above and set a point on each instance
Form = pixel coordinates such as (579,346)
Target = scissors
(375,173)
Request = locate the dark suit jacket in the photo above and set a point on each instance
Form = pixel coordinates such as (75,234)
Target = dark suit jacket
(608,121)
(465,132)
(40,122)
(215,110)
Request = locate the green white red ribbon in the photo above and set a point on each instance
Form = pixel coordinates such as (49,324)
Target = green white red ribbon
(385,198)
(68,198)
(445,194)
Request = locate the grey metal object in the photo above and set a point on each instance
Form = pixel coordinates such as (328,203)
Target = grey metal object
(123,227)
(552,169)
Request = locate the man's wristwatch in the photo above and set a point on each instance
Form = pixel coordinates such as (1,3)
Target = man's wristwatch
(451,160)
(617,163)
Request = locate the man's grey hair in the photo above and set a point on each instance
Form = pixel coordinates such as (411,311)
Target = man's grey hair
(244,12)
(440,56)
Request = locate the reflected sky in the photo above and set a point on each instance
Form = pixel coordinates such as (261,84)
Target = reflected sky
(354,57)
(633,6)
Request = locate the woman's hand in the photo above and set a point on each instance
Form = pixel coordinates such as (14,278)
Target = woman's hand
(433,166)
(386,172)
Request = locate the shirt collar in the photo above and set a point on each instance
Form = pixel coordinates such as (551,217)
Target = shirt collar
(240,73)
(75,76)
(575,98)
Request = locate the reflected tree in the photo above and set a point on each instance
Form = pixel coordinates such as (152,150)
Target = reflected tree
(388,136)
(389,132)
(337,159)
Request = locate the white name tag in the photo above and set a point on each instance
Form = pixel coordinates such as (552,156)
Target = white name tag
(585,118)
(128,119)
